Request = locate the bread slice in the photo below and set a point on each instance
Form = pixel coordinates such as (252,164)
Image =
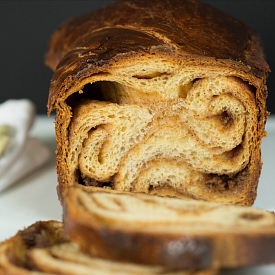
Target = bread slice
(42,249)
(165,97)
(177,233)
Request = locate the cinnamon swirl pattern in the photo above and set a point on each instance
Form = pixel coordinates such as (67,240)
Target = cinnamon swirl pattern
(171,146)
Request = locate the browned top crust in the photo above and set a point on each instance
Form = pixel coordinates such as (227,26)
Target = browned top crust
(184,30)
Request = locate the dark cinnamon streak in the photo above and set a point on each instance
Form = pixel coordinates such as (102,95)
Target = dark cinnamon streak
(38,235)
(41,234)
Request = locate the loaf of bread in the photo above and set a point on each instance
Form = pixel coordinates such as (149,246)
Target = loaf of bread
(42,249)
(173,232)
(165,97)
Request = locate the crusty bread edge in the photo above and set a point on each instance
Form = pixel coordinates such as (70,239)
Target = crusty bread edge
(218,250)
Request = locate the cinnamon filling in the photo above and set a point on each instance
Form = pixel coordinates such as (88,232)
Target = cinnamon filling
(37,236)
(85,181)
(214,182)
(226,119)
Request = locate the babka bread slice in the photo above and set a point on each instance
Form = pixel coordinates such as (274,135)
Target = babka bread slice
(177,233)
(165,97)
(42,249)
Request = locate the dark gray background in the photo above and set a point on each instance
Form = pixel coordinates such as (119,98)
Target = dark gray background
(25,27)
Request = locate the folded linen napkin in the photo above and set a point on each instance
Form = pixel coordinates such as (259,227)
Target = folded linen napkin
(20,154)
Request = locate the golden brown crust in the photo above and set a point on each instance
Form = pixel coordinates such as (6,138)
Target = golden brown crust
(180,22)
(149,249)
(201,252)
(88,43)
(192,249)
(187,33)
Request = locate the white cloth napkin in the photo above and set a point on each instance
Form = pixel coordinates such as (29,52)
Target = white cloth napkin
(23,154)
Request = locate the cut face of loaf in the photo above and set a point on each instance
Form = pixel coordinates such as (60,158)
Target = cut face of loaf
(174,105)
(177,233)
(42,249)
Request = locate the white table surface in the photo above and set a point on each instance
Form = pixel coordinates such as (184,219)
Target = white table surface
(34,197)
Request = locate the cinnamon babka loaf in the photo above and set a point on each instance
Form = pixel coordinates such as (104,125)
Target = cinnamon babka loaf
(42,249)
(173,232)
(165,97)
